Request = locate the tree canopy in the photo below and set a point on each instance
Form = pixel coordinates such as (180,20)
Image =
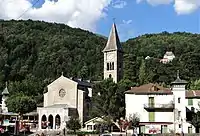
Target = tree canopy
(108,99)
(73,123)
(20,104)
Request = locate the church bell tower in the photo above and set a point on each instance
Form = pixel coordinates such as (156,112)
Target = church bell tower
(113,57)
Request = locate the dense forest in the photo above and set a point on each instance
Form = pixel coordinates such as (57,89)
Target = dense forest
(34,53)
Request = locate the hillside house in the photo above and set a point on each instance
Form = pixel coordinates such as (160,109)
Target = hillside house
(168,57)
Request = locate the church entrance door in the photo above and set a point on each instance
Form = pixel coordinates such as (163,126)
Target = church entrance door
(57,121)
(50,119)
(44,122)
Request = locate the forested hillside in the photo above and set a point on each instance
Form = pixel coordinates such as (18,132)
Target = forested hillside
(34,53)
(185,46)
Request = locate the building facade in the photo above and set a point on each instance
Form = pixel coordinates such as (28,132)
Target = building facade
(163,110)
(65,98)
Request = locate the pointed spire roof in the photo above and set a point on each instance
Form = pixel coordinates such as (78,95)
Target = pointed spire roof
(178,80)
(5,91)
(113,42)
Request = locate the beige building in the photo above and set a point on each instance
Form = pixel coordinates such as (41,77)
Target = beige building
(65,97)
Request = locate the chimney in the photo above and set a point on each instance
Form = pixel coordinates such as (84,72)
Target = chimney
(132,88)
(154,88)
(194,93)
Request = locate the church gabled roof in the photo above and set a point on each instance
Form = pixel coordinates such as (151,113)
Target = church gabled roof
(113,42)
(5,91)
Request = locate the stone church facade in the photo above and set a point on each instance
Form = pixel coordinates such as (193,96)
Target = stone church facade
(67,96)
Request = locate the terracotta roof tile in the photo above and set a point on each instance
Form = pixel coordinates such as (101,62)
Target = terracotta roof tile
(149,89)
(192,94)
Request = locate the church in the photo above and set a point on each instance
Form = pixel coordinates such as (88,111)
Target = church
(69,96)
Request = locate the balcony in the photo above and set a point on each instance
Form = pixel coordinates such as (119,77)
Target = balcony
(159,107)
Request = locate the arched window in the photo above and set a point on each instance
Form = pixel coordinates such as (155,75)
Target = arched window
(110,76)
(112,66)
(44,122)
(108,67)
(57,121)
(50,119)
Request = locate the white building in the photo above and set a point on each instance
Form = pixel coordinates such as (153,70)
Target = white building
(168,57)
(163,110)
(65,97)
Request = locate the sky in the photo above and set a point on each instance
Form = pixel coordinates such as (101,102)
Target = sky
(132,17)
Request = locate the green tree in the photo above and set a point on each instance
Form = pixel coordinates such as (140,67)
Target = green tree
(105,100)
(195,85)
(20,104)
(108,101)
(196,120)
(74,124)
(142,72)
(83,72)
(134,121)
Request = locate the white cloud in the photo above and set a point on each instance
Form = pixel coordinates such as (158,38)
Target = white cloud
(127,22)
(119,4)
(180,6)
(76,13)
(156,2)
(125,30)
(186,6)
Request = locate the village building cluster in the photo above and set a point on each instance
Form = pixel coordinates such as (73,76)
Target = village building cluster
(161,110)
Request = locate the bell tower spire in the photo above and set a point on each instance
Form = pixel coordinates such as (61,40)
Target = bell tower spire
(113,56)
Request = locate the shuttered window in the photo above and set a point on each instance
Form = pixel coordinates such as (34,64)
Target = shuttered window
(151,116)
(190,101)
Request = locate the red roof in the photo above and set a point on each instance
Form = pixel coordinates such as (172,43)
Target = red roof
(192,94)
(150,89)
(157,89)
